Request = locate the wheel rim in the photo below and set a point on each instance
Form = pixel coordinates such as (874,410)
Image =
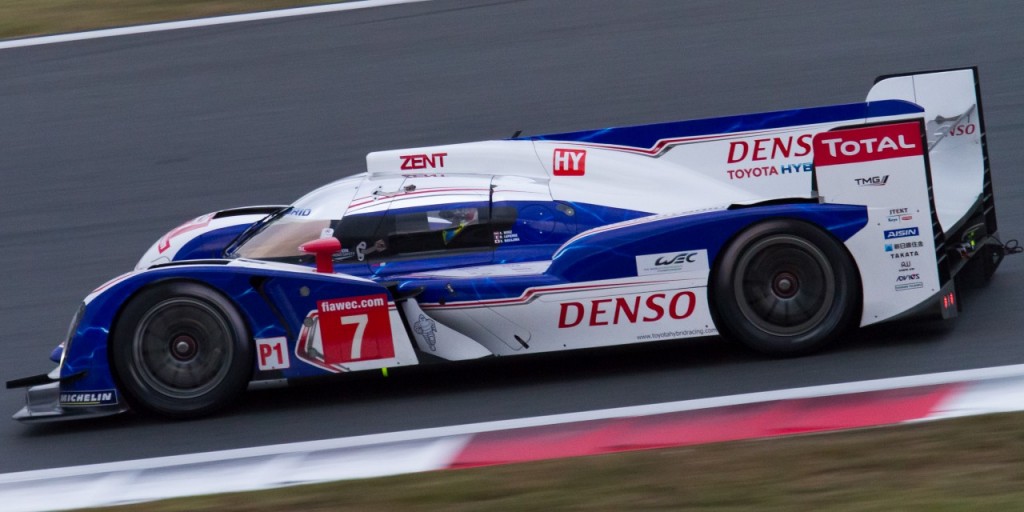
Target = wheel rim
(786,285)
(182,348)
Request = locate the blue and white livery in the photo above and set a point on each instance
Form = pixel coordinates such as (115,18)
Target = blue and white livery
(781,230)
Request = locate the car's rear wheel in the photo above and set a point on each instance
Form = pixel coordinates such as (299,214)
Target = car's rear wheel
(784,287)
(181,350)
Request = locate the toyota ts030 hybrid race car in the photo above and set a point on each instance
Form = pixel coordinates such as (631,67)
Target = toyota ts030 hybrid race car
(779,230)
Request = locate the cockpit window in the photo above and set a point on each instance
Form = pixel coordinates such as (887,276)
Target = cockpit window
(282,238)
(407,232)
(313,216)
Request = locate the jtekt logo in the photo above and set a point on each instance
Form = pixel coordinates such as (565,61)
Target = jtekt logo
(570,162)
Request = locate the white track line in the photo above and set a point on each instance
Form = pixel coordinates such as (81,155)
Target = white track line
(999,372)
(202,22)
(987,390)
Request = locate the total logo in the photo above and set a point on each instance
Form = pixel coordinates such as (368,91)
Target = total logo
(855,145)
(634,309)
(874,181)
(872,145)
(901,233)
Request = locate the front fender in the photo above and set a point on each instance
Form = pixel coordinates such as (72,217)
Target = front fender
(203,237)
(274,299)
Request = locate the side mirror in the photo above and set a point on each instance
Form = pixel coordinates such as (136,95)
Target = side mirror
(324,249)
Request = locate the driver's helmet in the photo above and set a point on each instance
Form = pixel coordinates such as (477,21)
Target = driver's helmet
(461,216)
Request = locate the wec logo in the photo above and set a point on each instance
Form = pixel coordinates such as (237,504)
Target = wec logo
(683,257)
(672,262)
(901,233)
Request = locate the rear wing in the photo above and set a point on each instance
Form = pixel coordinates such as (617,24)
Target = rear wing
(927,186)
(955,135)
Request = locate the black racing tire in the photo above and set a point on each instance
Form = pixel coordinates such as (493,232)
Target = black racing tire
(181,350)
(784,288)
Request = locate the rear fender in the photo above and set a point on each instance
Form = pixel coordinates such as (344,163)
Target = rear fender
(884,167)
(631,248)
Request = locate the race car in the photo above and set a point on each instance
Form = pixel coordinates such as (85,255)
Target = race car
(779,230)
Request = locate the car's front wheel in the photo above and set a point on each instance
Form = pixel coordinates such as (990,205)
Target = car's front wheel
(784,287)
(181,350)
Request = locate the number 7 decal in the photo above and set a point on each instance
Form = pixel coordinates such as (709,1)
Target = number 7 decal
(355,329)
(357,338)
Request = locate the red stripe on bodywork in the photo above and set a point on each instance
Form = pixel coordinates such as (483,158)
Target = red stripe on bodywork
(751,421)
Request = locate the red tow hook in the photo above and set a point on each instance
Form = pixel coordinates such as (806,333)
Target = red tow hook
(324,249)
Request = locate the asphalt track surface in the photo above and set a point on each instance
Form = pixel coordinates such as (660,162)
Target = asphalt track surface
(106,144)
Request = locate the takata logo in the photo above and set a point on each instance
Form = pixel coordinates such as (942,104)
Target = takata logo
(570,162)
(874,181)
(423,161)
(868,144)
(901,233)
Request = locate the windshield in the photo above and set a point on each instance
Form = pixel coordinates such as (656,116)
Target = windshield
(310,218)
